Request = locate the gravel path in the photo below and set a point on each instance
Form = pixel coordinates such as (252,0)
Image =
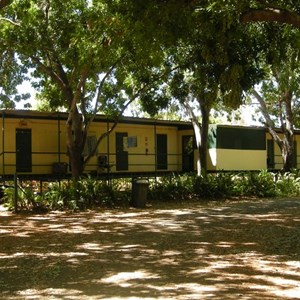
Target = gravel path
(228,250)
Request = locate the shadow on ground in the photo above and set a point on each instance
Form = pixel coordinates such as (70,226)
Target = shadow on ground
(233,250)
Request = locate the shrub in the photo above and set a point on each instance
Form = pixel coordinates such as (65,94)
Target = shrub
(255,184)
(263,184)
(288,184)
(27,199)
(213,186)
(57,196)
(173,187)
(86,193)
(89,192)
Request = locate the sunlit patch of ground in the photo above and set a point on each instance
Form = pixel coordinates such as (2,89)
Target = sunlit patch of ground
(230,250)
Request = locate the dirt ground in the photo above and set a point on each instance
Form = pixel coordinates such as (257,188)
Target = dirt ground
(228,250)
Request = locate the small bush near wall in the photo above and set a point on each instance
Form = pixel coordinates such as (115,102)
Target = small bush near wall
(288,184)
(67,195)
(213,186)
(226,185)
(171,187)
(253,184)
(90,192)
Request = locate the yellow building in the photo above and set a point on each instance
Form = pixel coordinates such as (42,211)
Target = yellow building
(237,148)
(34,143)
(245,148)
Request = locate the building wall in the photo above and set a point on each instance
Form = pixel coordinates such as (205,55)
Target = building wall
(275,155)
(48,145)
(142,157)
(230,148)
(236,148)
(44,144)
(232,159)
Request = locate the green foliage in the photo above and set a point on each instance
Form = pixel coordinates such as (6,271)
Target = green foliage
(10,78)
(71,195)
(184,187)
(93,47)
(172,187)
(86,193)
(213,186)
(56,197)
(253,184)
(288,184)
(226,185)
(90,192)
(8,198)
(27,198)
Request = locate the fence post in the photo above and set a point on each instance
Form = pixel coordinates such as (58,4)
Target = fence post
(16,192)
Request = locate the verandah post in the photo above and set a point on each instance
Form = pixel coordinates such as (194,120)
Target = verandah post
(16,192)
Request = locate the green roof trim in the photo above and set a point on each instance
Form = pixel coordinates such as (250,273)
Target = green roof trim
(31,114)
(242,138)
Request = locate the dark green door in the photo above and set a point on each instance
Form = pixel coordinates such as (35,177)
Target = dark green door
(187,153)
(23,150)
(161,152)
(270,154)
(121,154)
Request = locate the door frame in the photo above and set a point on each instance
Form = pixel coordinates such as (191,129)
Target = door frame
(161,151)
(23,138)
(121,153)
(188,156)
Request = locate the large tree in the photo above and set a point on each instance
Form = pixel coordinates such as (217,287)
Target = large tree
(81,51)
(222,53)
(213,62)
(278,23)
(278,97)
(273,25)
(82,55)
(279,11)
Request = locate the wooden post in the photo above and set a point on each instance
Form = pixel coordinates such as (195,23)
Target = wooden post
(16,192)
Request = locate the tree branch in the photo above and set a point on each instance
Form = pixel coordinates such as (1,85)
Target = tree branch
(10,21)
(116,121)
(100,88)
(87,125)
(269,122)
(280,16)
(120,113)
(49,71)
(100,139)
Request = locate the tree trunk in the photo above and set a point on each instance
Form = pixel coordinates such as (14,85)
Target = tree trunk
(197,133)
(75,142)
(288,126)
(285,144)
(201,134)
(288,157)
(288,140)
(204,135)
